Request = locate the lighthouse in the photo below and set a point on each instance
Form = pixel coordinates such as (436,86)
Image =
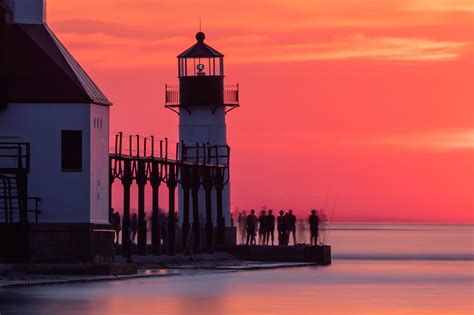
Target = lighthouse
(202,101)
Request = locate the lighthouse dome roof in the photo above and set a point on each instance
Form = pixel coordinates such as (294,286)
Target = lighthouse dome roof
(200,49)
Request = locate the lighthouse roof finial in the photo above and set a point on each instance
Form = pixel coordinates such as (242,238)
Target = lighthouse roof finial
(200,36)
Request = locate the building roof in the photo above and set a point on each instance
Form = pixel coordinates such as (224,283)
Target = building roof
(200,49)
(41,70)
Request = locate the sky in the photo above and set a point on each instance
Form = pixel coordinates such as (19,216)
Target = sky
(362,107)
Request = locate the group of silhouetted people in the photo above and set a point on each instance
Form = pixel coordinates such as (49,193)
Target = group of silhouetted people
(117,224)
(264,225)
(250,226)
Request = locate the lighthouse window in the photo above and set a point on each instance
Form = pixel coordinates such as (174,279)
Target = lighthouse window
(71,150)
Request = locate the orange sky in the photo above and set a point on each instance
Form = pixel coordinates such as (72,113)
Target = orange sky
(370,103)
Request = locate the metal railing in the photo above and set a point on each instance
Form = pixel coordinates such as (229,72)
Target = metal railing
(11,203)
(139,147)
(171,95)
(14,167)
(202,154)
(231,95)
(33,207)
(14,156)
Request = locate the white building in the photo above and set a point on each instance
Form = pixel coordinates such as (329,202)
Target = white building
(49,101)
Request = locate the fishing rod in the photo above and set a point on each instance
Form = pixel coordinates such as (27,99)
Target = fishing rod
(325,207)
(330,222)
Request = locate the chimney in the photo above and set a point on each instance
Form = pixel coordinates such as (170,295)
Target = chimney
(28,11)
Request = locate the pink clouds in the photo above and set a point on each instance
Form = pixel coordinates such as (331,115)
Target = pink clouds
(264,31)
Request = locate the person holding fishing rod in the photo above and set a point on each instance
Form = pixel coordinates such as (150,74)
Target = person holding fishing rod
(314,227)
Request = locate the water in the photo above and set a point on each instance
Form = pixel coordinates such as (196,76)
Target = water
(377,269)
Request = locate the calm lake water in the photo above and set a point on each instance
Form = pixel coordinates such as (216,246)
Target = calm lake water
(377,269)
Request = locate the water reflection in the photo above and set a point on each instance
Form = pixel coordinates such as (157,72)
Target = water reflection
(392,285)
(346,287)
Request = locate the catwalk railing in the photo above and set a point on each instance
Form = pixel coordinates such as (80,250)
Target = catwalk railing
(135,147)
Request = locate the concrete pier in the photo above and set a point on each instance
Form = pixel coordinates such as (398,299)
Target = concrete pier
(305,253)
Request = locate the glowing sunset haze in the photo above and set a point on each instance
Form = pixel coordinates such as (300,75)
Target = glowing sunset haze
(369,104)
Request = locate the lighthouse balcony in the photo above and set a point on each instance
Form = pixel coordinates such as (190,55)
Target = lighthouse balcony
(227,98)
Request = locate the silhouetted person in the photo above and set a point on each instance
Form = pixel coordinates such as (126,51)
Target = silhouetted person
(300,226)
(291,225)
(314,227)
(133,226)
(188,250)
(286,230)
(262,227)
(241,221)
(270,227)
(251,226)
(163,226)
(116,225)
(281,227)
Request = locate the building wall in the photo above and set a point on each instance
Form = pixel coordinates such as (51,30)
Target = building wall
(28,11)
(99,159)
(66,196)
(201,126)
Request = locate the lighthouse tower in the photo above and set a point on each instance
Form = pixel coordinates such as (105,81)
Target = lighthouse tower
(202,102)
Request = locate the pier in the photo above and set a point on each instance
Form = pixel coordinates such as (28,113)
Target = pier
(320,254)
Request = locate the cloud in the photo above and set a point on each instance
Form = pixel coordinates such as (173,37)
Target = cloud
(441,5)
(448,140)
(362,47)
(149,18)
(111,51)
(149,33)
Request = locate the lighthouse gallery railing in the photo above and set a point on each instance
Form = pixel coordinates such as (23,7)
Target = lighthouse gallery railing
(231,95)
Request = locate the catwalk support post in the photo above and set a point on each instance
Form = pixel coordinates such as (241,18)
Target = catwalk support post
(185,185)
(127,183)
(207,183)
(155,225)
(111,183)
(172,183)
(141,182)
(196,183)
(219,184)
